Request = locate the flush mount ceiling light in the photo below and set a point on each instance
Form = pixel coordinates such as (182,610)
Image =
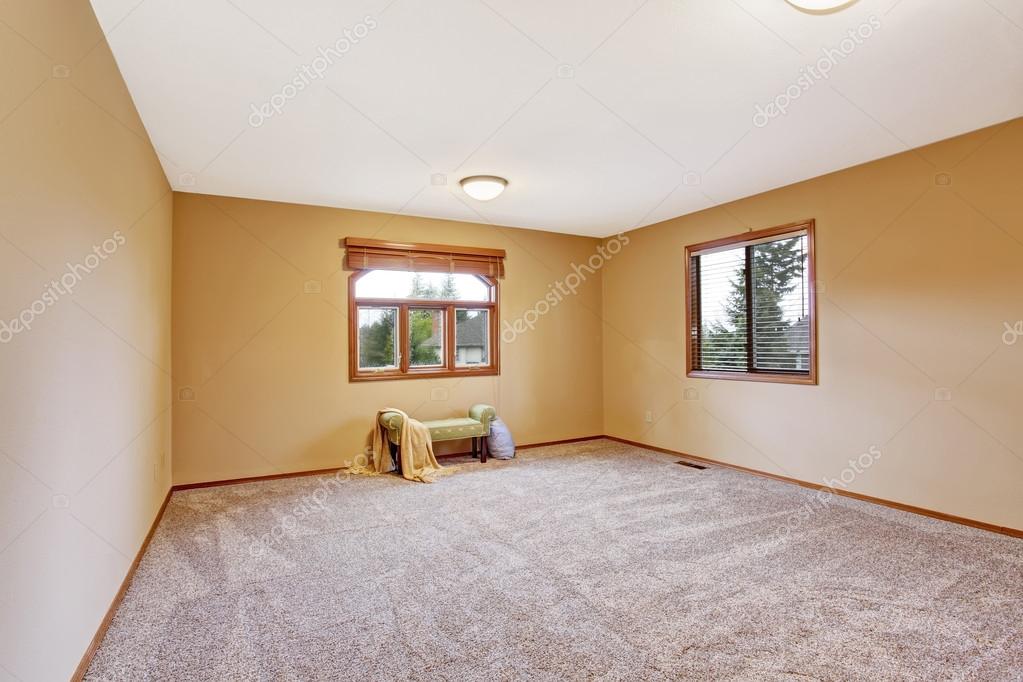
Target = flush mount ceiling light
(820,6)
(483,187)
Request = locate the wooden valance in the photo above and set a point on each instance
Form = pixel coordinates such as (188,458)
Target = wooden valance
(377,254)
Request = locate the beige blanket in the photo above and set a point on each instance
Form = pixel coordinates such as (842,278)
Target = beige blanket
(415,447)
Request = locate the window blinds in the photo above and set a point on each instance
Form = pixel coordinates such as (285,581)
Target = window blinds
(751,305)
(375,254)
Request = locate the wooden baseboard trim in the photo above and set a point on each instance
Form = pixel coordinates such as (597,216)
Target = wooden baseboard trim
(320,472)
(961,520)
(104,625)
(254,479)
(581,439)
(90,652)
(528,446)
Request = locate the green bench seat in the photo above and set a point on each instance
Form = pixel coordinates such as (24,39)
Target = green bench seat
(476,426)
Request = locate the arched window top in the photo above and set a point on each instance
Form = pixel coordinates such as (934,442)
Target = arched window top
(422,286)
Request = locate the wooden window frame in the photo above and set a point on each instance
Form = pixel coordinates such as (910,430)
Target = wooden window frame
(404,371)
(692,344)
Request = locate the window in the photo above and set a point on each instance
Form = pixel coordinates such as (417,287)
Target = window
(750,306)
(421,310)
(472,337)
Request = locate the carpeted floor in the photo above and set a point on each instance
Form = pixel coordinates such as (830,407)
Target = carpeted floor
(587,561)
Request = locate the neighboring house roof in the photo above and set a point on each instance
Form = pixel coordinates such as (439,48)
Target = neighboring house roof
(798,333)
(471,331)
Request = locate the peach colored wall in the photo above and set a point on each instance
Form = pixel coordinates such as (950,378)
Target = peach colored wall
(918,278)
(85,392)
(263,366)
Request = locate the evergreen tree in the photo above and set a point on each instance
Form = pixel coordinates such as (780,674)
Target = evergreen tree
(449,290)
(420,289)
(376,342)
(777,267)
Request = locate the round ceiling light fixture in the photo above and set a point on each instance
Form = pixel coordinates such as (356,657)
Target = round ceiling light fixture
(820,6)
(483,187)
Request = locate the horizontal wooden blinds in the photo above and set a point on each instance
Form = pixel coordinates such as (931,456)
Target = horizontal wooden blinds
(376,254)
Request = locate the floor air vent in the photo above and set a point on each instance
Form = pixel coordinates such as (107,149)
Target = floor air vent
(691,465)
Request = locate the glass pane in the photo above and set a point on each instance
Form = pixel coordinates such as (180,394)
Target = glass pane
(722,309)
(436,286)
(781,304)
(472,337)
(378,336)
(426,337)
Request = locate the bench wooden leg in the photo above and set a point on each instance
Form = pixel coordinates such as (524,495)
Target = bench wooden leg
(396,456)
(473,447)
(483,449)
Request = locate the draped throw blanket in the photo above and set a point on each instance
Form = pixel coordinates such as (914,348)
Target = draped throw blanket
(415,448)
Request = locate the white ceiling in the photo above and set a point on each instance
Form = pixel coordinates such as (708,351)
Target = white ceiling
(604,116)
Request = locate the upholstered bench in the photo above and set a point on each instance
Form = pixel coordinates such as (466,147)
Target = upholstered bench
(476,426)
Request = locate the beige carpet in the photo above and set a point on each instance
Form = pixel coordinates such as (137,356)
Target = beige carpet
(586,561)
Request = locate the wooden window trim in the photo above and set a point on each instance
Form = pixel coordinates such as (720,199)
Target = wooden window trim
(404,371)
(810,379)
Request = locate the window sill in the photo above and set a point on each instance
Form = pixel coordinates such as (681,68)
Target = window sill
(423,374)
(763,377)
